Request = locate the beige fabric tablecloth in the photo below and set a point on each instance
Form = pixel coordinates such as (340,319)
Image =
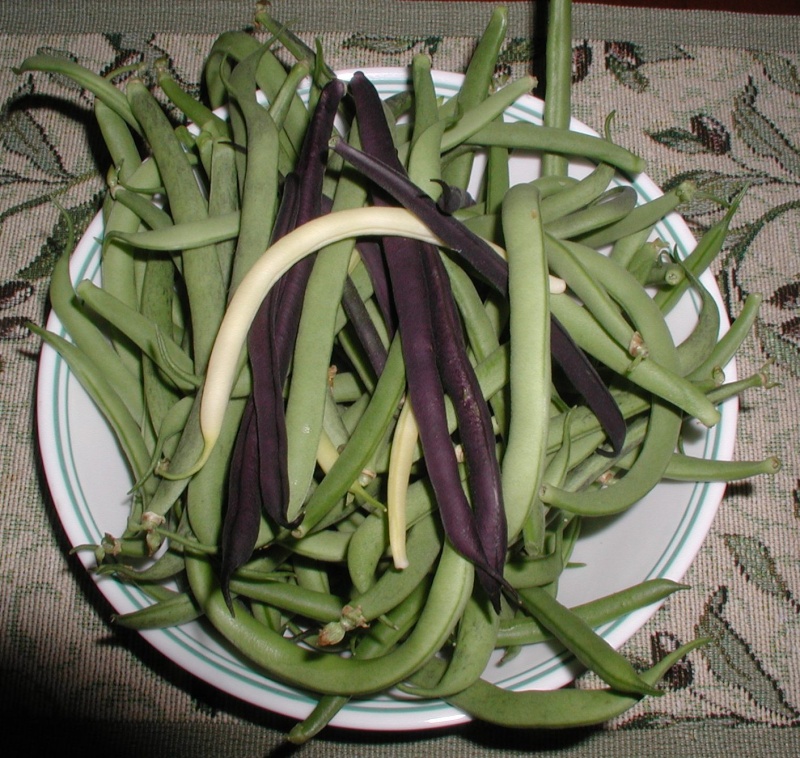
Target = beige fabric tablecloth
(713,97)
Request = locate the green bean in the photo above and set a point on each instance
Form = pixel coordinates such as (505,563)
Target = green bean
(573,195)
(696,348)
(318,606)
(642,216)
(473,646)
(626,250)
(91,341)
(729,343)
(119,271)
(369,542)
(167,566)
(614,204)
(259,201)
(528,294)
(592,650)
(690,469)
(394,585)
(528,631)
(223,198)
(328,545)
(146,211)
(186,236)
(207,490)
(475,87)
(179,609)
(294,45)
(142,332)
(228,48)
(310,576)
(426,112)
(325,709)
(194,110)
(475,118)
(701,257)
(284,106)
(647,374)
(200,268)
(329,674)
(377,642)
(558,54)
(158,290)
(268,74)
(365,437)
(526,136)
(99,86)
(565,263)
(308,384)
(118,139)
(105,397)
(557,709)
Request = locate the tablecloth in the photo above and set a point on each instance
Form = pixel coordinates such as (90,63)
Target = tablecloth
(708,96)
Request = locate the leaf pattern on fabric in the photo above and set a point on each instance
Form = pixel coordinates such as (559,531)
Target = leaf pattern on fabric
(681,675)
(787,297)
(754,560)
(55,245)
(779,70)
(705,135)
(732,661)
(780,344)
(582,57)
(746,233)
(760,134)
(516,50)
(796,499)
(14,293)
(392,45)
(20,133)
(625,61)
(14,329)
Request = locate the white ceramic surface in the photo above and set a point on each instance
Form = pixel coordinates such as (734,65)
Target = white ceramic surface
(659,537)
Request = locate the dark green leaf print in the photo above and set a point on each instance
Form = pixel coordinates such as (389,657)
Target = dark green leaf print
(13,329)
(14,293)
(21,134)
(732,660)
(55,245)
(760,134)
(787,297)
(779,70)
(705,135)
(392,45)
(754,560)
(744,235)
(781,343)
(681,675)
(517,50)
(625,60)
(582,57)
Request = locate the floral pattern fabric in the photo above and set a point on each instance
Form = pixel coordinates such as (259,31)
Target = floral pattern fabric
(726,118)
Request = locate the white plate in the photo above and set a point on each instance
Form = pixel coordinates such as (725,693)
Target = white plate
(659,537)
